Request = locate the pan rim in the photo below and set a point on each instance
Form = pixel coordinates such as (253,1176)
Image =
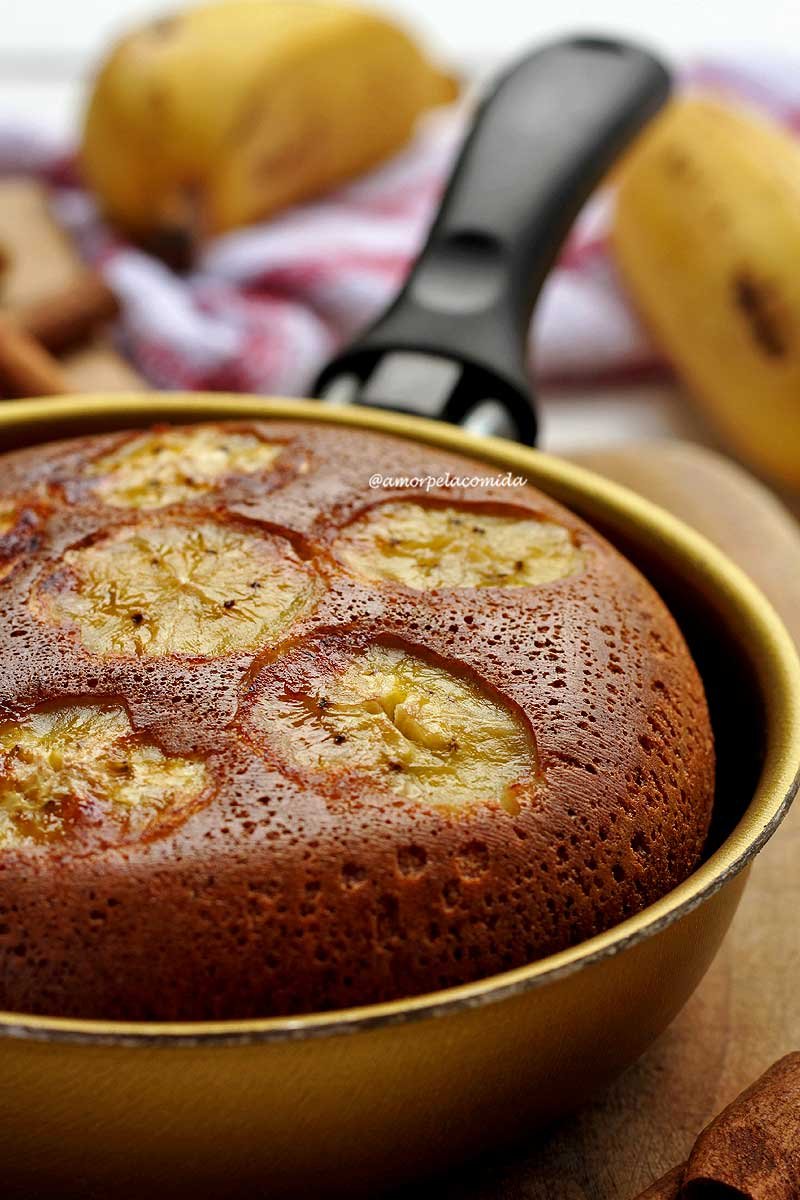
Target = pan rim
(773,652)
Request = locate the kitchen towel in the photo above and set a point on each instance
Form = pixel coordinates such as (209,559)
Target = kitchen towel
(265,306)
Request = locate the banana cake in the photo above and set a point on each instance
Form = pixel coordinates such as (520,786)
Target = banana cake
(275,740)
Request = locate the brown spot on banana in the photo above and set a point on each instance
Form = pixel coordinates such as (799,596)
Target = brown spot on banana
(759,302)
(165,27)
(677,163)
(179,227)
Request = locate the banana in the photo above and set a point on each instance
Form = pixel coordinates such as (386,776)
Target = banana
(427,547)
(224,114)
(413,727)
(8,517)
(172,466)
(71,767)
(707,235)
(201,589)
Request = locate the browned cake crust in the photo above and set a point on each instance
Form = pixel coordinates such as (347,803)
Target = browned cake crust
(276,882)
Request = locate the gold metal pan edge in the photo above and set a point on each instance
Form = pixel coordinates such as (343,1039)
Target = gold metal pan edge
(31,421)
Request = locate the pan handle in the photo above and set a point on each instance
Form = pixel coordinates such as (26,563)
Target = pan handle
(541,140)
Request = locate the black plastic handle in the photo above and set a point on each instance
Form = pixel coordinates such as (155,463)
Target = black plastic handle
(541,140)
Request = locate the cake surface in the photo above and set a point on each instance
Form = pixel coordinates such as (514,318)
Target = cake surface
(274,740)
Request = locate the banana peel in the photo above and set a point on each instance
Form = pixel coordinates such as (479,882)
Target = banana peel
(225,114)
(707,235)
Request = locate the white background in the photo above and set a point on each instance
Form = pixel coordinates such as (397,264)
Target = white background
(469,27)
(46,45)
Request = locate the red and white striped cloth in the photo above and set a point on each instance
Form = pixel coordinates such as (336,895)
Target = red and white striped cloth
(267,305)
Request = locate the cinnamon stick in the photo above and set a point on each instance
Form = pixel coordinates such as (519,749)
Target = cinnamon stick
(751,1151)
(667,1188)
(67,319)
(26,368)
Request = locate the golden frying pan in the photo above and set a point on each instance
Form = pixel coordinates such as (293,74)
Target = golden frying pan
(350,1102)
(347,1102)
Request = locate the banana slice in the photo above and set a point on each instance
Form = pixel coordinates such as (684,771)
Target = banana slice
(428,547)
(8,517)
(417,729)
(176,465)
(203,590)
(70,765)
(10,523)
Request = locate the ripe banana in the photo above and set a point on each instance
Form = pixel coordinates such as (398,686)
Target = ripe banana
(707,234)
(223,114)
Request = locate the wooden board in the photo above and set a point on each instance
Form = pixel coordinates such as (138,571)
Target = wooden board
(42,263)
(746,1013)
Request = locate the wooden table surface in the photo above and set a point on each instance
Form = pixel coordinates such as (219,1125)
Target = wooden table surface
(746,1012)
(43,263)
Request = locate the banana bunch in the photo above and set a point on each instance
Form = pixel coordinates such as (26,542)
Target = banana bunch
(221,115)
(707,234)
